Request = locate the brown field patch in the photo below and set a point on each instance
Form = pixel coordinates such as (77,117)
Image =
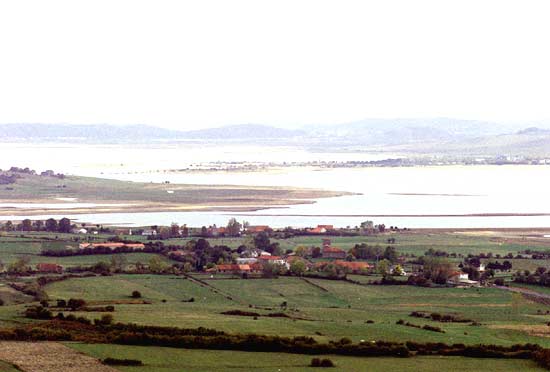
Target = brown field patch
(48,357)
(539,330)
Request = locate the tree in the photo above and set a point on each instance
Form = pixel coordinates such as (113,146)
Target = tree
(437,269)
(274,249)
(383,267)
(38,225)
(76,303)
(233,227)
(174,230)
(298,267)
(20,266)
(26,225)
(118,262)
(397,270)
(261,241)
(136,294)
(64,225)
(301,251)
(390,254)
(156,265)
(316,252)
(51,225)
(8,226)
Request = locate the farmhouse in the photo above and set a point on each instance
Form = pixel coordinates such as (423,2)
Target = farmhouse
(321,229)
(233,269)
(111,245)
(257,229)
(277,260)
(49,268)
(461,279)
(246,260)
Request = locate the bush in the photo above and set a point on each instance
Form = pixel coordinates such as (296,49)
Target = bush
(326,363)
(136,294)
(106,319)
(76,303)
(122,362)
(322,363)
(38,312)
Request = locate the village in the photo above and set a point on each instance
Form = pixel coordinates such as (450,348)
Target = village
(259,254)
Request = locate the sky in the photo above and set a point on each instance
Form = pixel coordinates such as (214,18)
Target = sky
(197,64)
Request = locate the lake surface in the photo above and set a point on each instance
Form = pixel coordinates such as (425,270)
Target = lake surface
(403,193)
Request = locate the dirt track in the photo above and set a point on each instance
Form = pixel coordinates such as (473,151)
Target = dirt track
(48,357)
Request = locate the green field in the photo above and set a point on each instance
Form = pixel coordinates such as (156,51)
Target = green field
(7,367)
(158,359)
(319,308)
(323,309)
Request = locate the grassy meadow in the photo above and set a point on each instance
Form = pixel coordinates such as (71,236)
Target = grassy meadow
(323,309)
(158,359)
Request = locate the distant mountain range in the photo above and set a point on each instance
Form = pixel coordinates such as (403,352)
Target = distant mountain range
(421,136)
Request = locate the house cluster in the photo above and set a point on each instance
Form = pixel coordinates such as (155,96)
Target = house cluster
(321,229)
(461,279)
(253,261)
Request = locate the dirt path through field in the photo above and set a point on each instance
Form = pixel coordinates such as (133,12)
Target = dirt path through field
(48,357)
(534,296)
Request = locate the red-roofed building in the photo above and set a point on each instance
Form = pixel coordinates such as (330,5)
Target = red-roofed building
(111,245)
(49,268)
(233,268)
(333,252)
(257,229)
(326,227)
(321,229)
(273,259)
(353,266)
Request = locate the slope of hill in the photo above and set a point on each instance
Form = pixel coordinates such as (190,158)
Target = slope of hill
(418,136)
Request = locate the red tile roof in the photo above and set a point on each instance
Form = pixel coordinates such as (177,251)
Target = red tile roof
(332,250)
(111,245)
(233,267)
(48,267)
(353,265)
(258,228)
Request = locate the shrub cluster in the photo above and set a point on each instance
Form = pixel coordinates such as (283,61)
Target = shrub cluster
(122,362)
(443,318)
(426,327)
(323,363)
(201,338)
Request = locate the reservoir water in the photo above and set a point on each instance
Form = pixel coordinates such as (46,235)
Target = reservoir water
(437,196)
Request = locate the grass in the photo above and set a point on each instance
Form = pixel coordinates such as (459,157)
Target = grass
(157,359)
(320,308)
(7,367)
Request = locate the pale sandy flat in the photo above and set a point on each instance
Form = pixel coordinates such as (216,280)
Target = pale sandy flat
(48,357)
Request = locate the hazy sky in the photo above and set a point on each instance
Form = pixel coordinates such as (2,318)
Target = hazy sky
(191,64)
